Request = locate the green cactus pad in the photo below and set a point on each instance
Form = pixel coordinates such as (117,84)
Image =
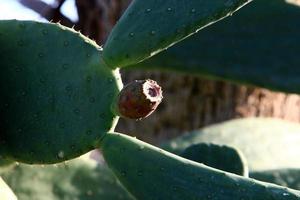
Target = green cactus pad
(221,157)
(148,27)
(56,92)
(152,173)
(74,180)
(266,143)
(258,46)
(285,177)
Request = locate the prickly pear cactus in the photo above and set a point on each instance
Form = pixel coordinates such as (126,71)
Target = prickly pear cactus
(259,139)
(58,88)
(56,92)
(148,27)
(152,173)
(74,180)
(221,157)
(58,101)
(258,46)
(285,177)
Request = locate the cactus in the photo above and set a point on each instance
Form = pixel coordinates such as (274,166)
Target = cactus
(56,92)
(148,27)
(259,139)
(78,179)
(260,40)
(62,96)
(62,102)
(152,173)
(221,157)
(285,177)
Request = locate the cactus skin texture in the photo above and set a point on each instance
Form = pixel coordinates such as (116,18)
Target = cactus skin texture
(259,139)
(148,27)
(152,173)
(75,180)
(139,99)
(56,93)
(258,46)
(221,157)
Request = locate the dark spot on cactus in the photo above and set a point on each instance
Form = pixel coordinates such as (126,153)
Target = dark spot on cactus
(22,25)
(92,100)
(42,80)
(174,188)
(140,173)
(76,111)
(152,32)
(110,95)
(109,80)
(23,93)
(65,66)
(101,115)
(41,55)
(45,32)
(62,125)
(88,132)
(89,79)
(18,69)
(123,173)
(66,43)
(21,43)
(139,99)
(68,88)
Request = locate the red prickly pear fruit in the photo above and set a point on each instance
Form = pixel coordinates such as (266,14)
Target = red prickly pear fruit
(139,99)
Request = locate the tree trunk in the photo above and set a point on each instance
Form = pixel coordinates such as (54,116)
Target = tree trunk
(189,102)
(192,102)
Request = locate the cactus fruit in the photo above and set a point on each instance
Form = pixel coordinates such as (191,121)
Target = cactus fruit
(138,99)
(152,173)
(56,92)
(226,50)
(263,141)
(148,27)
(221,157)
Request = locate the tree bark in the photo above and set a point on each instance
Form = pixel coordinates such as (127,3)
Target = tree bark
(192,102)
(189,102)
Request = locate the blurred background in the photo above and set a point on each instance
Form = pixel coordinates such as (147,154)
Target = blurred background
(189,103)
